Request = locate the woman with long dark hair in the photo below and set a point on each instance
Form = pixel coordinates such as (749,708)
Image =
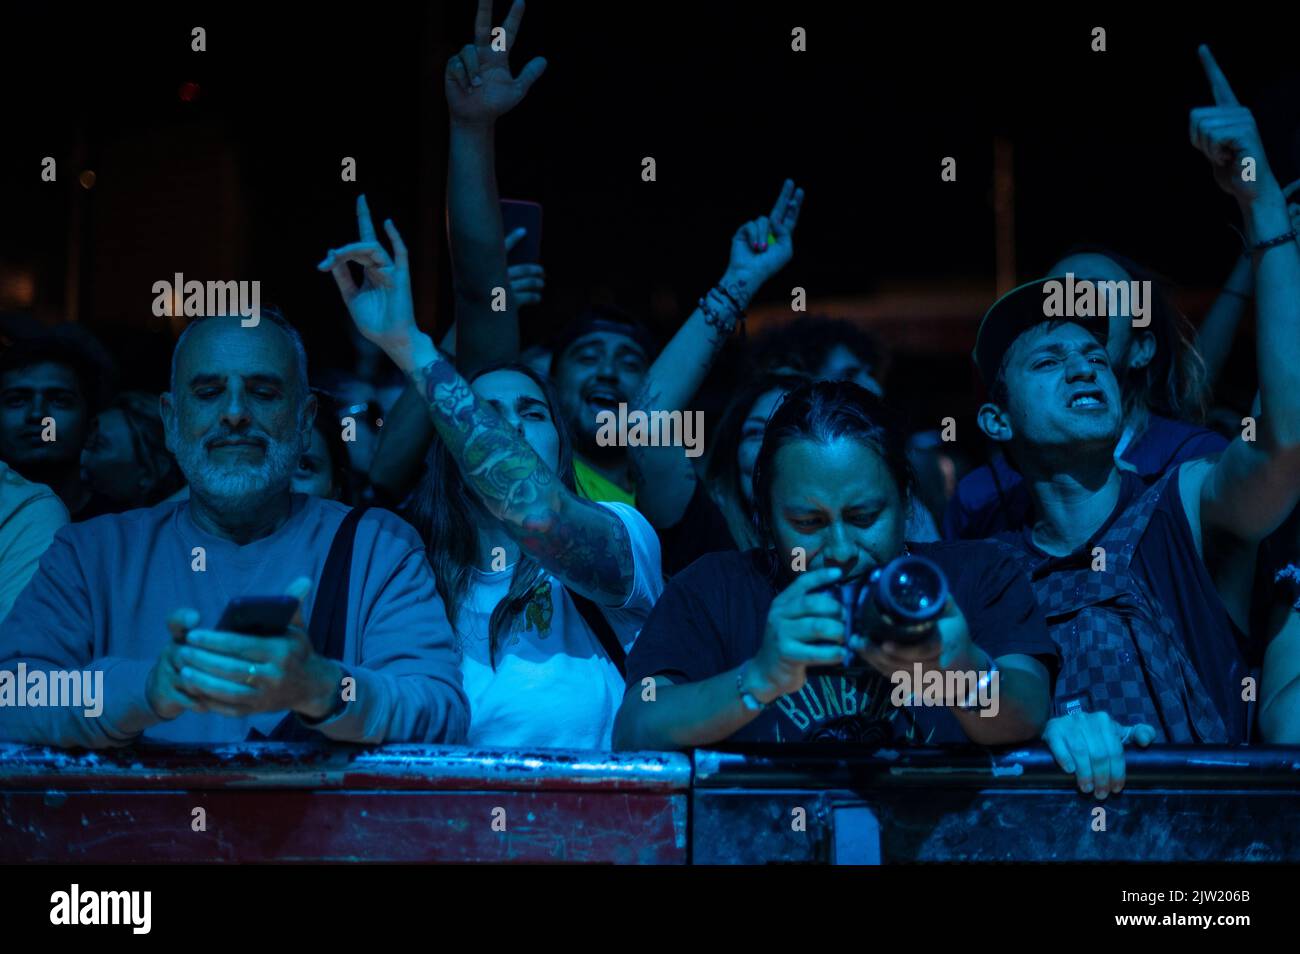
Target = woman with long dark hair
(747,646)
(546,591)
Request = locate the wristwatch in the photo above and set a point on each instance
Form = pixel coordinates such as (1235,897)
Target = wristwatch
(747,698)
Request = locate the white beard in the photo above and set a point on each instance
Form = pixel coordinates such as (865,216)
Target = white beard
(237,486)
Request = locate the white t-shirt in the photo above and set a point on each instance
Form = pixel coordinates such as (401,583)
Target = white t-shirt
(554,685)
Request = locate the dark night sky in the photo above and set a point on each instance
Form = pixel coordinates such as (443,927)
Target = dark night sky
(247,176)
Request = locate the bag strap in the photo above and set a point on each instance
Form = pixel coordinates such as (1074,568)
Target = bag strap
(604,632)
(328,627)
(329,617)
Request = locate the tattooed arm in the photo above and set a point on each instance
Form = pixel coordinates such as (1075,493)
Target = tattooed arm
(664,476)
(584,544)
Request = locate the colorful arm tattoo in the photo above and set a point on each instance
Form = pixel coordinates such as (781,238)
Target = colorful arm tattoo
(585,545)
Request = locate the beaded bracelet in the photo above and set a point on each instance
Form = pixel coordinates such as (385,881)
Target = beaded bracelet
(723,322)
(1273,242)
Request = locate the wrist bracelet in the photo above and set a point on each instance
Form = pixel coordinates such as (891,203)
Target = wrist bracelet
(972,701)
(747,698)
(722,290)
(1273,242)
(723,322)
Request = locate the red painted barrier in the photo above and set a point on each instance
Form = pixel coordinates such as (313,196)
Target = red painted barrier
(301,803)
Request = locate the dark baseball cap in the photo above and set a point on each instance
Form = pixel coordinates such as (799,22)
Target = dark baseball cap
(607,318)
(1015,313)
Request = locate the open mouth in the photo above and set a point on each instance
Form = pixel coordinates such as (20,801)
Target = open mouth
(1087,399)
(604,399)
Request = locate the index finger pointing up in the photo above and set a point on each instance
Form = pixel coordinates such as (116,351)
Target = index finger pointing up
(364,224)
(483,23)
(1223,94)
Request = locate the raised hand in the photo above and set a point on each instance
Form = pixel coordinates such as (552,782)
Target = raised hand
(1226,133)
(381,307)
(478,82)
(762,247)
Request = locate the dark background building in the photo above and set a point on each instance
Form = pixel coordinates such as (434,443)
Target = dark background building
(225,164)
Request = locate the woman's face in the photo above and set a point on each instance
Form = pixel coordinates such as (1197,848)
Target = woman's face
(751,439)
(519,400)
(839,503)
(108,458)
(315,475)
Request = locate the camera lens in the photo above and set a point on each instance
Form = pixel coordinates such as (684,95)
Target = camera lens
(913,589)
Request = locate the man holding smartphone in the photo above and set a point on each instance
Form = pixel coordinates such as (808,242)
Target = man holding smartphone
(136,595)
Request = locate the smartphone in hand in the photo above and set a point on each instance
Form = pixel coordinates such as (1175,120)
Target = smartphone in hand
(258,615)
(527,215)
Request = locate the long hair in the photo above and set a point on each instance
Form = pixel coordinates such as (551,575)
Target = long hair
(446,512)
(823,411)
(721,466)
(1173,384)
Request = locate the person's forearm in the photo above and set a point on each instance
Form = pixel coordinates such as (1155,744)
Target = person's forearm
(586,545)
(113,709)
(1019,711)
(681,367)
(412,708)
(1215,336)
(1277,295)
(665,479)
(682,716)
(404,441)
(477,244)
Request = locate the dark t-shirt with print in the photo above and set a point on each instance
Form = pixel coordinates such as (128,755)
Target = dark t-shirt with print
(712,616)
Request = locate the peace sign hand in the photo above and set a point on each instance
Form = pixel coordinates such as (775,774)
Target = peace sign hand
(762,247)
(478,83)
(1226,133)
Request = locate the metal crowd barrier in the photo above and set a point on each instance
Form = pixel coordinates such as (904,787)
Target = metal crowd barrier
(819,803)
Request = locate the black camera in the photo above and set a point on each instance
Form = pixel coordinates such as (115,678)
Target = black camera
(900,602)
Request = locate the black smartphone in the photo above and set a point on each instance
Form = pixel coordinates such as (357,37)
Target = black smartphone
(515,214)
(258,615)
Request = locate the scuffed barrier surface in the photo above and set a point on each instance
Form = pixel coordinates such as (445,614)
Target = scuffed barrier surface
(291,765)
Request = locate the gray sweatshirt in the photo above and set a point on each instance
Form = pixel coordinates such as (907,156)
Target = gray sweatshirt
(100,601)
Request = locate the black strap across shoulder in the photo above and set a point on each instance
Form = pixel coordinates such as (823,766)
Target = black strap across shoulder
(604,632)
(329,616)
(328,626)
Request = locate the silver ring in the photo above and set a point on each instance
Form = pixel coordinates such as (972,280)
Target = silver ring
(252,673)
